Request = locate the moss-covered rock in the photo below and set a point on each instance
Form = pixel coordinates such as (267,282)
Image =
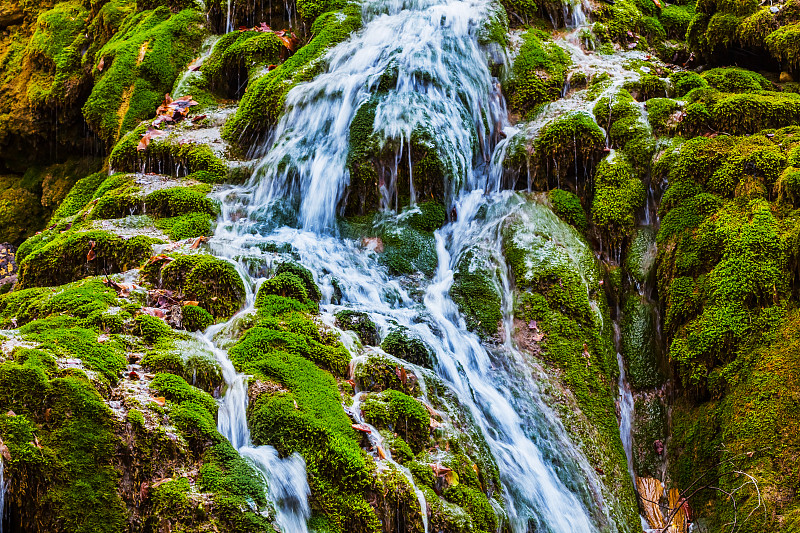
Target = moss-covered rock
(539,73)
(263,103)
(212,282)
(361,324)
(140,64)
(75,255)
(400,343)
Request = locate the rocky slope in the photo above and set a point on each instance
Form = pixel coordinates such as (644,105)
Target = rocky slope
(394,251)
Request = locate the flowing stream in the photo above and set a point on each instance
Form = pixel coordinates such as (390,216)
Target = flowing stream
(439,83)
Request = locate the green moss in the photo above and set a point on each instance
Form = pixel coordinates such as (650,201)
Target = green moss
(684,81)
(131,87)
(400,414)
(620,18)
(568,146)
(175,389)
(661,114)
(308,419)
(736,80)
(237,57)
(84,299)
(151,329)
(75,456)
(401,344)
(166,155)
(187,360)
(263,103)
(476,293)
(195,318)
(618,196)
(213,282)
(56,45)
(675,19)
(186,226)
(476,504)
(378,374)
(360,323)
(64,259)
(639,343)
(539,72)
(649,425)
(79,196)
(568,207)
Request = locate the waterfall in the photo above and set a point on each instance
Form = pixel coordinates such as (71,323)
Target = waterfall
(443,85)
(286,480)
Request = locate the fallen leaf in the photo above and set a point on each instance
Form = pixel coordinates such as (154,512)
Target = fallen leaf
(402,374)
(103,338)
(191,302)
(435,424)
(11,413)
(198,118)
(381,453)
(362,428)
(160,401)
(101,64)
(154,311)
(91,255)
(197,242)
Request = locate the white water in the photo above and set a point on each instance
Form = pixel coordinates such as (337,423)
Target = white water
(182,84)
(286,480)
(626,416)
(444,87)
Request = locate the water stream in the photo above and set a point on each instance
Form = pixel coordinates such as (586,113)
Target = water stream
(285,478)
(444,87)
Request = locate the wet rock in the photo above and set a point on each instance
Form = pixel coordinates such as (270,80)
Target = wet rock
(359,322)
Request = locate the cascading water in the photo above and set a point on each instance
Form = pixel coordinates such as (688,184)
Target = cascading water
(626,416)
(442,85)
(286,478)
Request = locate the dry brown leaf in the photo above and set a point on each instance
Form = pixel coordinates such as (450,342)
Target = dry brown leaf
(361,427)
(101,64)
(381,453)
(91,255)
(160,401)
(191,302)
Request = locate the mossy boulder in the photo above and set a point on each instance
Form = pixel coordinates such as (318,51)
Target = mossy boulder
(476,291)
(214,283)
(539,72)
(75,255)
(361,324)
(141,63)
(402,344)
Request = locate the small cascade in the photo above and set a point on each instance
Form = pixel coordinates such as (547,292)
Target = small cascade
(626,416)
(376,440)
(193,71)
(428,51)
(286,479)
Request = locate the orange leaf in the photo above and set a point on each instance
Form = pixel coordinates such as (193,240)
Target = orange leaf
(101,64)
